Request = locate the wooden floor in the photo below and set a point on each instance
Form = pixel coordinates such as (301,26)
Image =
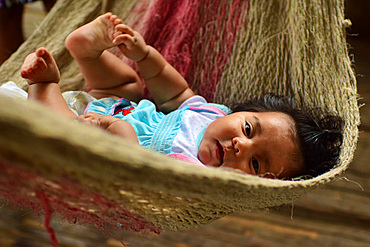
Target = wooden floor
(338,215)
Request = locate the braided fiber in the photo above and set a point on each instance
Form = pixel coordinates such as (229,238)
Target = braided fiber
(88,176)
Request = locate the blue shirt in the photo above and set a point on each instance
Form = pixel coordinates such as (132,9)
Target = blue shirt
(179,131)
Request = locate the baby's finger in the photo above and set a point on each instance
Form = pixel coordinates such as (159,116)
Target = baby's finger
(91,113)
(89,120)
(125,39)
(124,29)
(85,117)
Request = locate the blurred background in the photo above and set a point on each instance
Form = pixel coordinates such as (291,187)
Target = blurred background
(338,215)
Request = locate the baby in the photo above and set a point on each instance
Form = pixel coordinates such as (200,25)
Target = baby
(267,137)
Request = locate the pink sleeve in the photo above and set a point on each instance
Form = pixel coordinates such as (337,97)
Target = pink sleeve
(182,157)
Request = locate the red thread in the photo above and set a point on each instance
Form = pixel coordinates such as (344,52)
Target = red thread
(48,213)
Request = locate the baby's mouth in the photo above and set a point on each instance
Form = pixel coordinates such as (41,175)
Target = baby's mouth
(220,153)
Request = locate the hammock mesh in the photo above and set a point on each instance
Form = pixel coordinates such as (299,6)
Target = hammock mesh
(228,51)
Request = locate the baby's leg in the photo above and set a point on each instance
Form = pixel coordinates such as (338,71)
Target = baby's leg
(42,74)
(106,74)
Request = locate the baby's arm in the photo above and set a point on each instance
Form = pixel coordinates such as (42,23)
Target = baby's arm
(167,87)
(111,124)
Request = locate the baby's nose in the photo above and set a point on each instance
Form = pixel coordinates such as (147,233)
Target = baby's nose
(240,146)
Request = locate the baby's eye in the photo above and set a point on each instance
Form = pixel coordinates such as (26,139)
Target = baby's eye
(248,129)
(255,165)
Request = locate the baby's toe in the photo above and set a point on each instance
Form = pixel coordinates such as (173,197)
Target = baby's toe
(40,51)
(24,73)
(118,21)
(44,56)
(40,64)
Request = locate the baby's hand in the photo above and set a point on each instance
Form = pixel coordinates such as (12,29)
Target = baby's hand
(101,121)
(111,124)
(130,42)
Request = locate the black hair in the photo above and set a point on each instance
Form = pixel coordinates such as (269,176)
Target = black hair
(320,135)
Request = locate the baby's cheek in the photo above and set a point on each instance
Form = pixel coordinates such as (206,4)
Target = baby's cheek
(240,166)
(202,154)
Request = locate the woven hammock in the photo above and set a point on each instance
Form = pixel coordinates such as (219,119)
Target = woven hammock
(228,51)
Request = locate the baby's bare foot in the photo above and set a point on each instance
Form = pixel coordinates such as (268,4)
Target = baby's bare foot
(90,40)
(40,66)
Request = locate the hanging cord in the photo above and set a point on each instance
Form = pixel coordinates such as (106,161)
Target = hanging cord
(292,210)
(354,182)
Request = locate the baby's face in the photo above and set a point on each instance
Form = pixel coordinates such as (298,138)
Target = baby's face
(260,143)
